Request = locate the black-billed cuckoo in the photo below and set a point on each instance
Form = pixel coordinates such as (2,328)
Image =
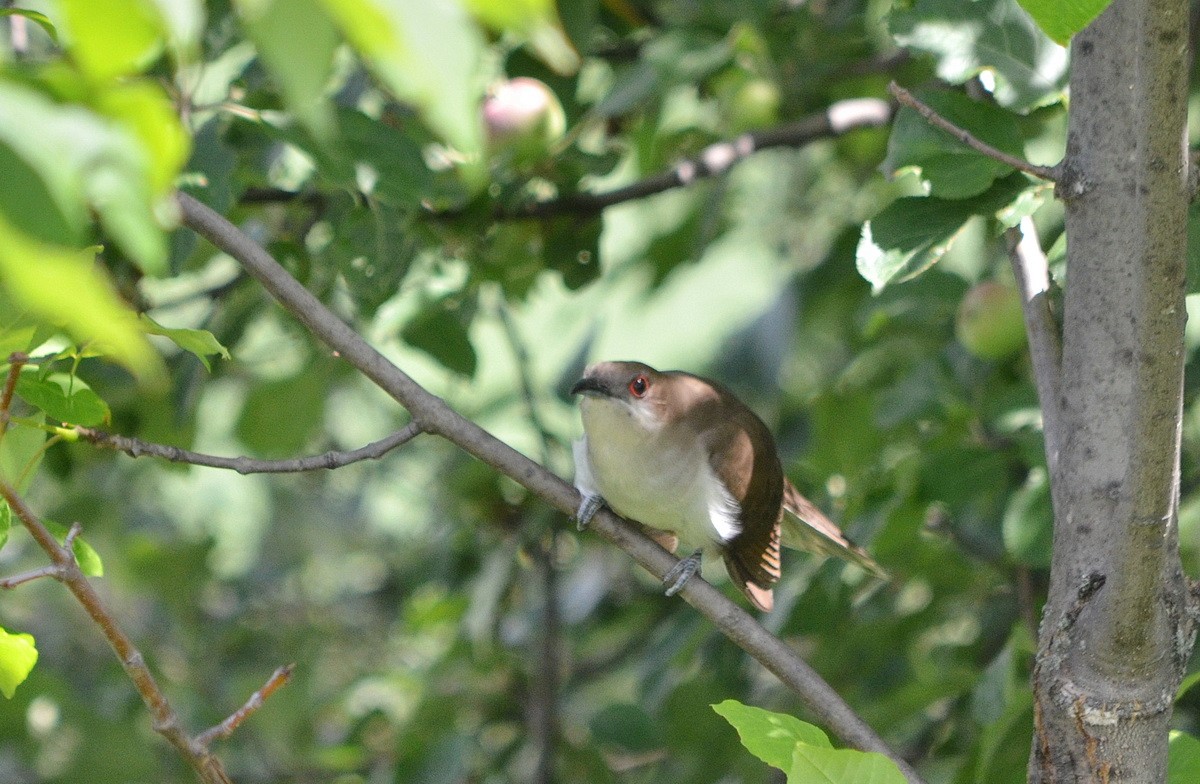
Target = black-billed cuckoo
(680,454)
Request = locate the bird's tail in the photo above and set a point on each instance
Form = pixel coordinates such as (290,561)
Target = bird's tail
(805,527)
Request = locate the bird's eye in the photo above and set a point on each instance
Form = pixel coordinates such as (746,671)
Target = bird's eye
(638,386)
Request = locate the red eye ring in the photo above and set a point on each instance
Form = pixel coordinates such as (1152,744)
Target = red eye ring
(638,386)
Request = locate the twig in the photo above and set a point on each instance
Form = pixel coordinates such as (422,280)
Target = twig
(436,417)
(839,118)
(245,465)
(21,578)
(164,719)
(1045,339)
(16,361)
(226,728)
(1050,173)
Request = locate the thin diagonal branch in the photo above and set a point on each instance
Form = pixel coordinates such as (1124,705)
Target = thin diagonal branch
(435,416)
(135,447)
(1050,173)
(840,118)
(226,728)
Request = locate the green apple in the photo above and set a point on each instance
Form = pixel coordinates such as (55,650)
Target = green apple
(522,118)
(990,323)
(755,104)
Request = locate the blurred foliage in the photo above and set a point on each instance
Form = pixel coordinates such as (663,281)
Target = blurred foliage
(413,592)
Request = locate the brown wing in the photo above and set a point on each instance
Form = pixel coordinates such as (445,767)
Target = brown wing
(744,459)
(811,530)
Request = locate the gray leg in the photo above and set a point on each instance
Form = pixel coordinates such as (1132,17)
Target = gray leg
(587,510)
(681,572)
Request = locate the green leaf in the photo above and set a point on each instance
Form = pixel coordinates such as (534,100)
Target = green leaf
(913,233)
(804,751)
(427,53)
(1062,19)
(1028,522)
(816,765)
(772,737)
(441,333)
(85,555)
(1183,758)
(63,397)
(21,451)
(5,522)
(200,342)
(113,38)
(64,286)
(949,168)
(146,111)
(79,162)
(41,19)
(18,654)
(296,40)
(995,36)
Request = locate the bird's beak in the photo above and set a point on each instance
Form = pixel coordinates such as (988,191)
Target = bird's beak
(590,386)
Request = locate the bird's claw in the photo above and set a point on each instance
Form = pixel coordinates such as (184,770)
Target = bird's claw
(681,572)
(587,510)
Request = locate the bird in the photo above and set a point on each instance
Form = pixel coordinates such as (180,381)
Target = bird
(685,458)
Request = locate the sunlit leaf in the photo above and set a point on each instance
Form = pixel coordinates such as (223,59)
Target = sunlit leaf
(112,38)
(993,36)
(913,233)
(18,654)
(79,161)
(5,522)
(1062,19)
(63,286)
(146,110)
(772,737)
(427,53)
(804,751)
(296,40)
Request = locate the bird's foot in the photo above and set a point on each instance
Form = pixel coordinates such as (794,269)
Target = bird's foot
(587,510)
(681,572)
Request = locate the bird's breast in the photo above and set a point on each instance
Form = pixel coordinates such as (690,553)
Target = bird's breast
(660,481)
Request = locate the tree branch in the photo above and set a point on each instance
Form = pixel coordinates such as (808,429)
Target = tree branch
(1050,173)
(1042,329)
(226,728)
(64,568)
(840,118)
(135,447)
(164,719)
(433,415)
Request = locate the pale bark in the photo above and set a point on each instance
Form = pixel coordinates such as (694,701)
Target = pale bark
(1117,629)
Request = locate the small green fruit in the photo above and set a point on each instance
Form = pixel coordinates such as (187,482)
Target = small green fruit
(523,119)
(755,104)
(989,322)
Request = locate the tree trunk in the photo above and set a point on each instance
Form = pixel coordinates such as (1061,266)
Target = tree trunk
(1117,632)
